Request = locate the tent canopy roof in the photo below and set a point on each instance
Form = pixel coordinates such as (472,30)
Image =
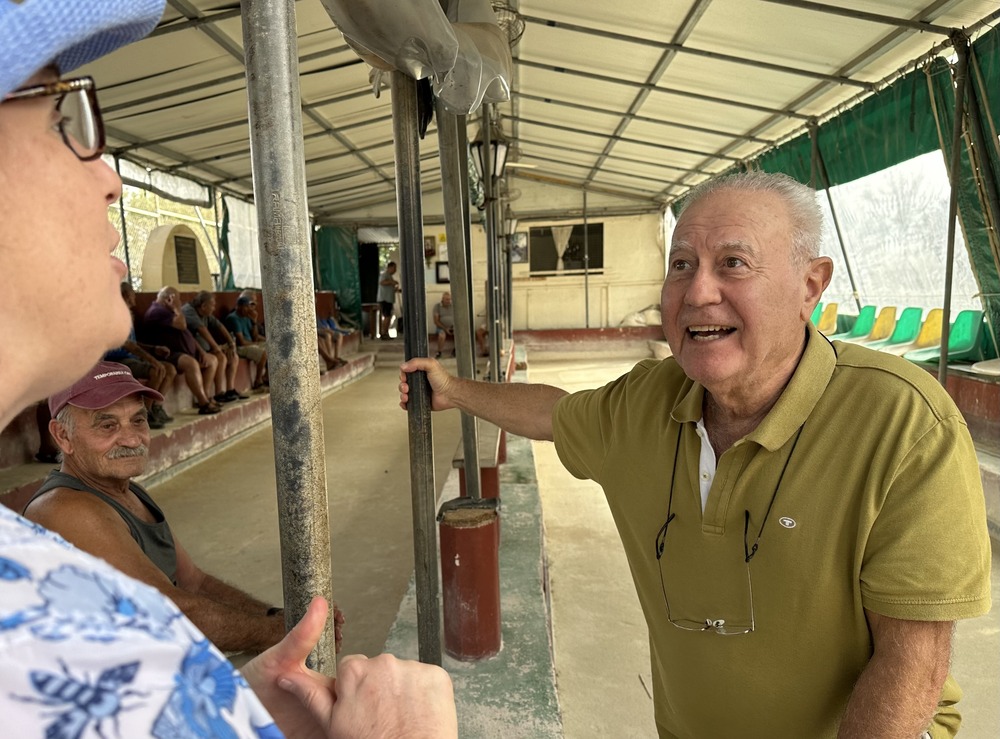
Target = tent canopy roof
(639,100)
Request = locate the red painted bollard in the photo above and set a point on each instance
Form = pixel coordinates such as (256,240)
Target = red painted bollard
(470,577)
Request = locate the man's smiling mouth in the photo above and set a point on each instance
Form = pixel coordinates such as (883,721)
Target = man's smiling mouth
(709,332)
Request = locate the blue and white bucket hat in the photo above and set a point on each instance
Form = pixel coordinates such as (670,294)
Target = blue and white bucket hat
(67,33)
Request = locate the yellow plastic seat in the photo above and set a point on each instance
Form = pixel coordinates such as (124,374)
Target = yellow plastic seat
(930,335)
(881,329)
(828,320)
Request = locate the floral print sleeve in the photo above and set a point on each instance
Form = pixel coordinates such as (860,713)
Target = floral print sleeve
(87,652)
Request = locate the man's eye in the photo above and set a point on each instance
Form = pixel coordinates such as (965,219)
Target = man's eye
(733,262)
(679,265)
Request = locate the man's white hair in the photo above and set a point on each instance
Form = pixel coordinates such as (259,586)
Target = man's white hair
(807,220)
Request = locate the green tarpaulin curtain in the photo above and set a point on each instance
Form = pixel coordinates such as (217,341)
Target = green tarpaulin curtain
(337,268)
(911,117)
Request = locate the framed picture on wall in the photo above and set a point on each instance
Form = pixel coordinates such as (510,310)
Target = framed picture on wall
(441,273)
(430,247)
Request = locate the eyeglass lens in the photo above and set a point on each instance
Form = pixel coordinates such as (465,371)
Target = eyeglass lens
(80,123)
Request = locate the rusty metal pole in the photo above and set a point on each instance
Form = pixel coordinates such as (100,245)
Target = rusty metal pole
(461,283)
(422,488)
(269,42)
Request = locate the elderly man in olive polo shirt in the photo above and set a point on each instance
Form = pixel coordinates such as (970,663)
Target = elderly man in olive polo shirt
(804,520)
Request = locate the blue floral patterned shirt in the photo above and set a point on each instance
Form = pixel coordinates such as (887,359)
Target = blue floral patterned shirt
(86,651)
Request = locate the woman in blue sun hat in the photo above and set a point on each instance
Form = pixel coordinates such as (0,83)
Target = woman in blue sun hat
(85,650)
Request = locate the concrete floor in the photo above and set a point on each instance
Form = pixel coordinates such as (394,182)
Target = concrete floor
(224,512)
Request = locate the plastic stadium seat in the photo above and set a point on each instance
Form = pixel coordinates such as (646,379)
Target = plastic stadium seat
(862,326)
(882,328)
(905,332)
(964,340)
(817,313)
(828,320)
(929,336)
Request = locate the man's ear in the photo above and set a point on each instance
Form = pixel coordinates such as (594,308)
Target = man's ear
(61,437)
(817,278)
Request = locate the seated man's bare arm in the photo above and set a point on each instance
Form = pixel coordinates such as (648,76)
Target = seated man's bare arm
(93,526)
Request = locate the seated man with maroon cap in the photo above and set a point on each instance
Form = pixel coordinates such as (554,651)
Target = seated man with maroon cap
(100,425)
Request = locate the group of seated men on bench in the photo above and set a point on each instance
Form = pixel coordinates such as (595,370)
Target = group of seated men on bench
(189,339)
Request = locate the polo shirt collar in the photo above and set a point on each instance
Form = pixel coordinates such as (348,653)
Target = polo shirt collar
(796,403)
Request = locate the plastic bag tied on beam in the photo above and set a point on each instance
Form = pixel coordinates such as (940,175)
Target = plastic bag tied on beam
(465,53)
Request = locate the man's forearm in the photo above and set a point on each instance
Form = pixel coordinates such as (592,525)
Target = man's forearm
(883,706)
(896,695)
(519,408)
(221,592)
(230,629)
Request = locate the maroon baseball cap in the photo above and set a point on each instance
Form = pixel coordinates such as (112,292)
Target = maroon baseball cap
(106,383)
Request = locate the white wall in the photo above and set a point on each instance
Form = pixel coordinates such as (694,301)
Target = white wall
(631,280)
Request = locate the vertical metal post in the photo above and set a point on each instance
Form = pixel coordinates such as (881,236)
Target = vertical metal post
(961,42)
(820,166)
(461,283)
(270,45)
(121,209)
(492,260)
(586,265)
(411,242)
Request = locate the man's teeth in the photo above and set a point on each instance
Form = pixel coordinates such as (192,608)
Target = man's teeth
(710,331)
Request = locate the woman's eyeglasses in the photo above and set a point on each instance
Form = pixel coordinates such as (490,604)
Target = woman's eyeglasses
(80,122)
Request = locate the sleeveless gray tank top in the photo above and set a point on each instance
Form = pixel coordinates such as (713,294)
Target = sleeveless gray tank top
(154,539)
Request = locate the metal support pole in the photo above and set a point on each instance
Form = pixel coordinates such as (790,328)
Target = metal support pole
(418,415)
(961,42)
(461,283)
(492,261)
(508,313)
(586,265)
(269,40)
(820,166)
(121,209)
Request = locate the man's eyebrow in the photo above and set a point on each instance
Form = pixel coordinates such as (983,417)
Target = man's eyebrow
(101,416)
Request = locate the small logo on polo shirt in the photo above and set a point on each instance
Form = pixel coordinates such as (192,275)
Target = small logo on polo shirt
(788,523)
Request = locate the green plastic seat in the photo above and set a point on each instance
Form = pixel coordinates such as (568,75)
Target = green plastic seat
(862,326)
(817,313)
(964,341)
(906,330)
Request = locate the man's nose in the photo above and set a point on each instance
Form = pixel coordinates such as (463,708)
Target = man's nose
(702,288)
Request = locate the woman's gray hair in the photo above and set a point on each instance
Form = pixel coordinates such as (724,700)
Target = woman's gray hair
(807,219)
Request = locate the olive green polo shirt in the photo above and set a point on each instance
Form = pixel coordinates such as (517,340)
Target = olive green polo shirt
(880,506)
